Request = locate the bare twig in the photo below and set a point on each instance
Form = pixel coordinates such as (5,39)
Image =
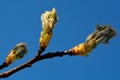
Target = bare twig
(32,61)
(3,66)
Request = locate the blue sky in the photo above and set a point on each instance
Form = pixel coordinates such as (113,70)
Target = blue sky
(20,22)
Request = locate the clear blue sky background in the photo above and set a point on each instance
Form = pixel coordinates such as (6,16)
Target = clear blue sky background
(20,22)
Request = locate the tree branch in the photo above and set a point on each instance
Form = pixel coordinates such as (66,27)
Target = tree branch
(37,58)
(3,66)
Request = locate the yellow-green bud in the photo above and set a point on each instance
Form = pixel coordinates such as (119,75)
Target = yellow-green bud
(16,53)
(49,19)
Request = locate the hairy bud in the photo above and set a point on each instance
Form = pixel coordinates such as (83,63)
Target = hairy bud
(16,53)
(102,34)
(49,19)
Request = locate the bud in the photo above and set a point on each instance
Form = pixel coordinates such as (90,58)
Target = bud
(102,34)
(78,50)
(49,19)
(16,53)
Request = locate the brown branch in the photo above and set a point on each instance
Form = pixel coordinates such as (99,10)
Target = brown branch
(32,61)
(3,66)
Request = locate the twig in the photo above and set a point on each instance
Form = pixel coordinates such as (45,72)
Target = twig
(32,61)
(3,66)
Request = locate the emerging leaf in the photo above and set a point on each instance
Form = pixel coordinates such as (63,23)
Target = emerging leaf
(16,53)
(102,34)
(49,19)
